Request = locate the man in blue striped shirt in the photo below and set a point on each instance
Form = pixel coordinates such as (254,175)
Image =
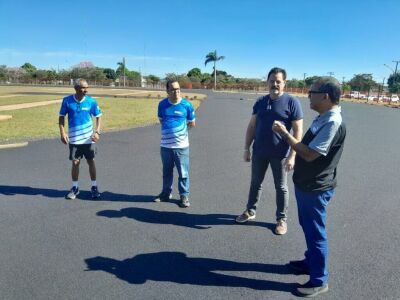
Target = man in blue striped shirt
(81,137)
(176,115)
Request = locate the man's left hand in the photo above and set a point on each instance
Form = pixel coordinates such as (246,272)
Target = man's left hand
(95,137)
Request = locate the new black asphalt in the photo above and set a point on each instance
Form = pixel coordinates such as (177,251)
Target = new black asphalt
(125,246)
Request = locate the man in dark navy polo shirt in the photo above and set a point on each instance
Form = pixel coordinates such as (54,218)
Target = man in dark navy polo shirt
(314,177)
(269,148)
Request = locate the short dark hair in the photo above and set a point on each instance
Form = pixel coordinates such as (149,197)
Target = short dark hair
(169,82)
(277,70)
(331,86)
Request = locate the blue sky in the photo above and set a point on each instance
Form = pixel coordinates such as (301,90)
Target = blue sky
(158,37)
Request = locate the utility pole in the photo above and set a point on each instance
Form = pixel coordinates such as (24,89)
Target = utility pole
(395,69)
(331,74)
(379,89)
(304,82)
(343,85)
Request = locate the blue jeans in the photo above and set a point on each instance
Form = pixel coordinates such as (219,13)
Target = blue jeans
(259,166)
(312,217)
(180,158)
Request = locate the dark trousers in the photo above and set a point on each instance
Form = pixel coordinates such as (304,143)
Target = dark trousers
(259,166)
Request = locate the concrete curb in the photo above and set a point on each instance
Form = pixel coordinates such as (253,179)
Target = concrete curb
(5,117)
(15,145)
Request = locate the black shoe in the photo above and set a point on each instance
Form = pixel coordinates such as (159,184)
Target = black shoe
(72,193)
(300,266)
(95,192)
(309,290)
(184,202)
(163,197)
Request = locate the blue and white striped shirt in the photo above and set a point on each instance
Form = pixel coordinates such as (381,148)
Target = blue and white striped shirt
(80,124)
(174,119)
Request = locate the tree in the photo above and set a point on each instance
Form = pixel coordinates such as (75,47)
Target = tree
(3,72)
(29,68)
(195,72)
(110,73)
(51,75)
(310,80)
(152,79)
(122,70)
(213,57)
(394,83)
(362,82)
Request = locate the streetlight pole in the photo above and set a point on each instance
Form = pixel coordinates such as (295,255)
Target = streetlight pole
(389,67)
(395,70)
(379,89)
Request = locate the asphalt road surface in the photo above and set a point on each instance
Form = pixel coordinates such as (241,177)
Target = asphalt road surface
(125,246)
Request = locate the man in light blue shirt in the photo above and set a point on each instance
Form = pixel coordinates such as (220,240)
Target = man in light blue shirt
(81,137)
(176,115)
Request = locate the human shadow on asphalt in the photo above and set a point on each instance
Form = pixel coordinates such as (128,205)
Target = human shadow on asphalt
(110,196)
(83,195)
(195,221)
(9,190)
(177,267)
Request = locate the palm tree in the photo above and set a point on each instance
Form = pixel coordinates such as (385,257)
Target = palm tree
(212,56)
(121,65)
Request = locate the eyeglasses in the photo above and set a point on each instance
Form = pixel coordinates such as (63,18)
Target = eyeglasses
(315,92)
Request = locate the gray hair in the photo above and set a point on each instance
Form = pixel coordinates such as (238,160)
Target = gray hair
(77,82)
(331,86)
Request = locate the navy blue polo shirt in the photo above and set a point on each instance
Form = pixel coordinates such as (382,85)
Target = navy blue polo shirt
(285,109)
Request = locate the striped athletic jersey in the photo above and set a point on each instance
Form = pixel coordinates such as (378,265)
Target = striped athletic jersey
(174,119)
(80,124)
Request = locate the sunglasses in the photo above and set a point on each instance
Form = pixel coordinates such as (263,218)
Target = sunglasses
(315,92)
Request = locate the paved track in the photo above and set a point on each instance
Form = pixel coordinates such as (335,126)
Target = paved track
(127,247)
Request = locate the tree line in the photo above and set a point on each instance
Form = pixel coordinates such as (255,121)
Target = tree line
(194,78)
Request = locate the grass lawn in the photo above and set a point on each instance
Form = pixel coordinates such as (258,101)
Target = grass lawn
(42,122)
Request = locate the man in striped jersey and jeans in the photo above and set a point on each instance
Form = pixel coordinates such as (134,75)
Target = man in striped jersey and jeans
(176,116)
(81,137)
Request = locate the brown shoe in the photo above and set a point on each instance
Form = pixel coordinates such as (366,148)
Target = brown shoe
(281,227)
(246,216)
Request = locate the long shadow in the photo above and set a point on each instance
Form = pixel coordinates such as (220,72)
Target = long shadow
(84,195)
(195,221)
(177,267)
(110,196)
(27,190)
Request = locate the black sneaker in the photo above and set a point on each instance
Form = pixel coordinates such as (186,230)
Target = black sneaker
(309,290)
(163,197)
(184,202)
(300,266)
(95,192)
(72,193)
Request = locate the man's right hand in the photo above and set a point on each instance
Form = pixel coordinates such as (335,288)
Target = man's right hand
(64,138)
(247,155)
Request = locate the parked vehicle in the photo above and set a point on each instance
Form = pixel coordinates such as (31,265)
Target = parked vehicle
(372,98)
(357,95)
(394,98)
